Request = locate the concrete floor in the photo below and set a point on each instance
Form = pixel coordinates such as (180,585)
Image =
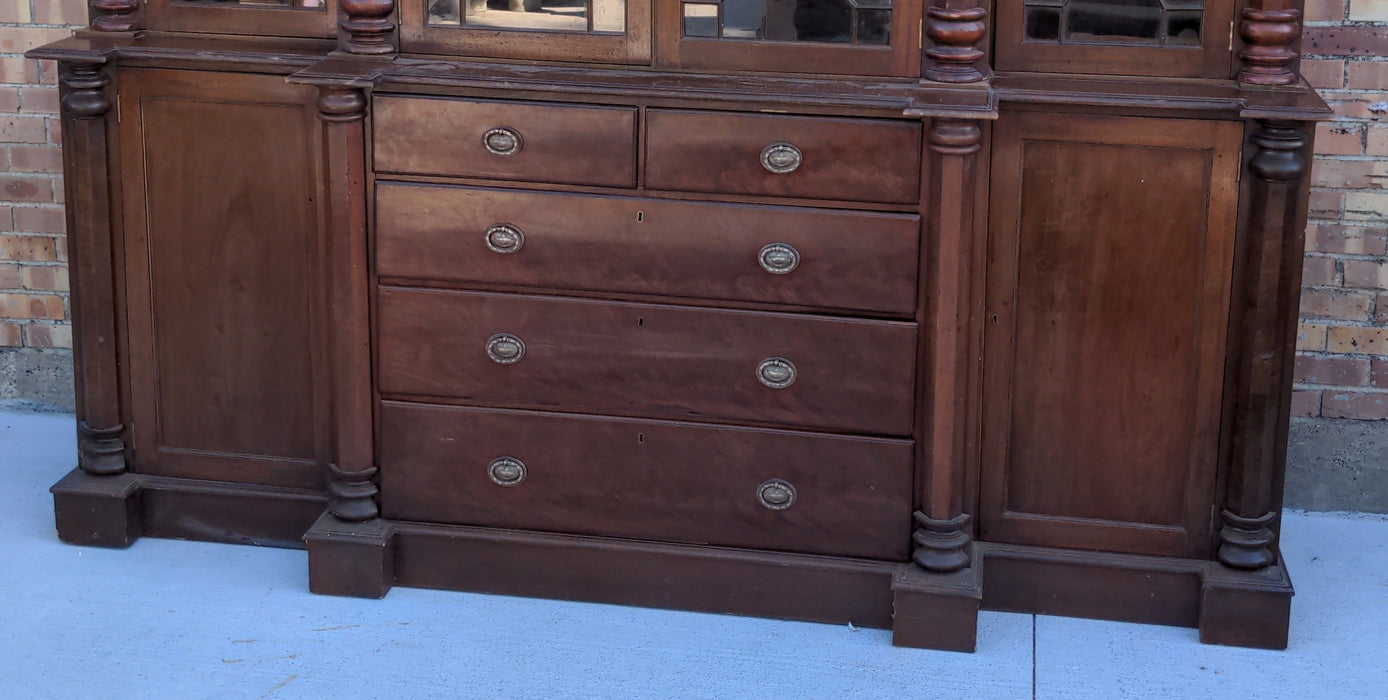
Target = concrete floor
(192,620)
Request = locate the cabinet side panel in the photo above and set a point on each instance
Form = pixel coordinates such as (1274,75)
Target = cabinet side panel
(1115,296)
(224,285)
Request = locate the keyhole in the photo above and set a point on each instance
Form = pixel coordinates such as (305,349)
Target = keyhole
(640,216)
(995,319)
(641,438)
(640,322)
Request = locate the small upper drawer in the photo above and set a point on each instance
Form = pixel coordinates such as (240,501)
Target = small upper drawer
(867,160)
(524,141)
(781,255)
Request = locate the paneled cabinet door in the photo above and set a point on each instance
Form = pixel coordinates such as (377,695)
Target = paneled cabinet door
(1108,295)
(1168,38)
(221,249)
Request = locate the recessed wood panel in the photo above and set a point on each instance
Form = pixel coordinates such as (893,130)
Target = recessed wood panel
(656,480)
(1111,249)
(222,233)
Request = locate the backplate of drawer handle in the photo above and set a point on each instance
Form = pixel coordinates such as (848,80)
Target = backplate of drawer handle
(506,471)
(781,157)
(776,372)
(502,141)
(778,258)
(776,494)
(505,349)
(504,238)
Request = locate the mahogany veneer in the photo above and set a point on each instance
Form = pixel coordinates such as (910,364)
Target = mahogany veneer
(839,327)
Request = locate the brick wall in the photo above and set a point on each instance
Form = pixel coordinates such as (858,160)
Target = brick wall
(33,273)
(1342,363)
(1342,359)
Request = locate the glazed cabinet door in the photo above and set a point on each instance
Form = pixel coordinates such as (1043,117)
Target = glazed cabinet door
(1108,294)
(290,18)
(221,233)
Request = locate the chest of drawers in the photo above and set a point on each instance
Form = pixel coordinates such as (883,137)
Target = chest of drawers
(806,315)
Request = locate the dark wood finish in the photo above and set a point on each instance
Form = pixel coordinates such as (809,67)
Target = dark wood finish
(647,360)
(1012,52)
(97,511)
(247,19)
(225,307)
(935,611)
(1246,609)
(581,145)
(351,558)
(1106,329)
(675,482)
(711,579)
(633,46)
(1269,283)
(1269,31)
(85,105)
(862,160)
(955,27)
(366,29)
(113,15)
(900,59)
(847,260)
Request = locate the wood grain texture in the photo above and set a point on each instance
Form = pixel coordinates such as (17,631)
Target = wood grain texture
(1111,250)
(226,382)
(675,482)
(851,261)
(647,360)
(572,144)
(853,159)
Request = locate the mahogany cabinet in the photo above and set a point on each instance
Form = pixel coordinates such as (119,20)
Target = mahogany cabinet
(869,311)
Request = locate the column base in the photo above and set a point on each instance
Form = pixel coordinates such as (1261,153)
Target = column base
(97,511)
(350,559)
(1246,608)
(936,611)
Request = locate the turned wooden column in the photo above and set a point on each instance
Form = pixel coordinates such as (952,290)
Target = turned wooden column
(942,537)
(85,108)
(351,486)
(954,28)
(1269,28)
(113,15)
(1271,274)
(365,27)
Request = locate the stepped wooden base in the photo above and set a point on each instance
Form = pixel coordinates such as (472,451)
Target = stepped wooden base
(936,611)
(114,511)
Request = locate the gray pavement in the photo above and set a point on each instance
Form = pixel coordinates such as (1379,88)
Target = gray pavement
(169,619)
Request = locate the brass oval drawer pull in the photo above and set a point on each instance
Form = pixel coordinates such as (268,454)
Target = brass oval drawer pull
(778,258)
(502,140)
(504,238)
(505,349)
(781,157)
(775,494)
(776,372)
(506,471)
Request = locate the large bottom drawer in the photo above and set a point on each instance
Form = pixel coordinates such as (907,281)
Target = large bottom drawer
(655,480)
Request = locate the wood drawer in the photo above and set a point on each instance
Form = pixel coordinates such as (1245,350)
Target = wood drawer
(866,160)
(647,360)
(654,480)
(859,261)
(568,144)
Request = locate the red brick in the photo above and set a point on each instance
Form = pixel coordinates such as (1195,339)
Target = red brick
(14,69)
(1356,174)
(1350,404)
(1306,403)
(55,130)
(71,12)
(1310,336)
(42,306)
(6,218)
(1368,11)
(40,100)
(1381,309)
(10,335)
(1351,240)
(36,159)
(48,336)
(1378,373)
(1357,340)
(1324,72)
(1339,138)
(1318,271)
(1345,41)
(1325,10)
(26,189)
(1366,274)
(1328,303)
(28,248)
(22,130)
(1376,144)
(1329,370)
(9,276)
(46,278)
(21,39)
(9,99)
(39,220)
(1368,75)
(1327,205)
